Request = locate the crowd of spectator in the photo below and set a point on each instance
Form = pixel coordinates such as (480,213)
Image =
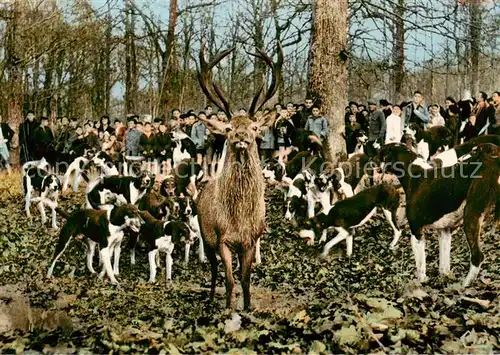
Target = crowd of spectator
(150,138)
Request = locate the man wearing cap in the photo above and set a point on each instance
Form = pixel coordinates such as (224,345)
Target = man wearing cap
(416,111)
(133,136)
(376,128)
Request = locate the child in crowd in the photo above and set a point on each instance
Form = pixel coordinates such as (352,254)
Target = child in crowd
(284,130)
(317,123)
(132,137)
(199,135)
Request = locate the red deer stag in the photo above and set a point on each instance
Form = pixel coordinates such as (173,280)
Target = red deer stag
(231,207)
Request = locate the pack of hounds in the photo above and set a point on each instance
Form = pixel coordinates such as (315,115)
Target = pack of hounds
(119,203)
(445,188)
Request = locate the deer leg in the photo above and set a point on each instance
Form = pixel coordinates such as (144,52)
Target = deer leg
(246,270)
(225,254)
(212,258)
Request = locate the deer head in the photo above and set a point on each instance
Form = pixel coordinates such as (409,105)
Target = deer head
(241,131)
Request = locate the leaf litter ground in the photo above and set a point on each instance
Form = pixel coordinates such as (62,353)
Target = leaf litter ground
(301,304)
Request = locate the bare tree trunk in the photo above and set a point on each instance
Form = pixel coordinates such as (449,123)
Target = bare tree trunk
(47,83)
(35,96)
(398,72)
(167,60)
(60,72)
(15,88)
(475,45)
(130,60)
(107,62)
(328,69)
(259,67)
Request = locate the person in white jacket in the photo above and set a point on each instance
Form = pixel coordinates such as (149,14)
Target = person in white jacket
(393,126)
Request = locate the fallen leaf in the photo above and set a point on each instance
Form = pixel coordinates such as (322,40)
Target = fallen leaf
(233,324)
(348,335)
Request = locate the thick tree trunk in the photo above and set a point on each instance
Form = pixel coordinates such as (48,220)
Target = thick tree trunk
(328,69)
(398,71)
(475,44)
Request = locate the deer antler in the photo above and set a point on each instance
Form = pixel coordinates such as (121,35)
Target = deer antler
(204,76)
(276,78)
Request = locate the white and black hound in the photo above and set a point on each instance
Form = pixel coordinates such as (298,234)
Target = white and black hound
(189,214)
(451,156)
(276,171)
(187,175)
(444,197)
(359,141)
(428,142)
(128,189)
(76,168)
(48,186)
(184,147)
(106,164)
(303,186)
(41,164)
(103,227)
(161,236)
(353,212)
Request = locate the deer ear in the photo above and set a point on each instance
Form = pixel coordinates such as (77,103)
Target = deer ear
(217,127)
(268,119)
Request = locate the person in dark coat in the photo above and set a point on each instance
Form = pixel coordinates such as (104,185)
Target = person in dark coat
(163,147)
(147,144)
(43,140)
(376,128)
(26,131)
